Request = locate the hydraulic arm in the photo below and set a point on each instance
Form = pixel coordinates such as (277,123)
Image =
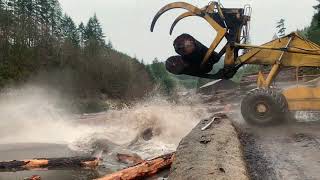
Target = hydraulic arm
(264,105)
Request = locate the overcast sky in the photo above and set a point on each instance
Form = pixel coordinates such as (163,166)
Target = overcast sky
(127,22)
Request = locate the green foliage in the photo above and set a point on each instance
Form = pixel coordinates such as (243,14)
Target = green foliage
(161,77)
(69,31)
(247,70)
(314,35)
(35,38)
(186,81)
(93,31)
(313,32)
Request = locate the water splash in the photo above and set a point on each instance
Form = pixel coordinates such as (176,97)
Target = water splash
(166,122)
(33,114)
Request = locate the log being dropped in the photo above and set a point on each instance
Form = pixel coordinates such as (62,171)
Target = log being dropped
(143,169)
(191,54)
(50,163)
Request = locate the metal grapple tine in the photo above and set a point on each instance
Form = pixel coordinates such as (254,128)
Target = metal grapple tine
(221,31)
(175,5)
(179,18)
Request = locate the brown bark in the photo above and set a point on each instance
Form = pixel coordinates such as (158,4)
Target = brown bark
(212,150)
(143,169)
(51,163)
(192,53)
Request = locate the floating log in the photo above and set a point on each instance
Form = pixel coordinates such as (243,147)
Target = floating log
(51,163)
(143,169)
(34,177)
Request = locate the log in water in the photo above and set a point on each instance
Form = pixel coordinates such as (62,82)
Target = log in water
(51,163)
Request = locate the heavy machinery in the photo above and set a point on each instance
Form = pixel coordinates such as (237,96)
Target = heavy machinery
(264,105)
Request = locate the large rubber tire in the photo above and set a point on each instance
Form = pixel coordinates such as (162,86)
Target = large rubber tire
(264,107)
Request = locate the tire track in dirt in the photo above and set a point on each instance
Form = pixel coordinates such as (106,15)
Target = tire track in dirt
(291,151)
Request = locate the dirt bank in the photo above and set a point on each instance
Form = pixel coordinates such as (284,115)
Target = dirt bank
(214,153)
(290,151)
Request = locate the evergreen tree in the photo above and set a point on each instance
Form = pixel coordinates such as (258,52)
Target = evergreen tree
(94,43)
(35,37)
(110,45)
(70,31)
(55,17)
(10,5)
(314,29)
(25,8)
(82,32)
(316,17)
(281,28)
(162,77)
(93,31)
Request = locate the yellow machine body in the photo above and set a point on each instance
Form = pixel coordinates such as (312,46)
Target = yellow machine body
(302,98)
(289,51)
(299,52)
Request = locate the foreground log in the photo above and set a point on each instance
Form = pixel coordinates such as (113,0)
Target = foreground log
(210,151)
(51,163)
(143,169)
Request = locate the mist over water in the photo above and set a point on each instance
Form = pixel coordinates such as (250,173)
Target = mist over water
(33,114)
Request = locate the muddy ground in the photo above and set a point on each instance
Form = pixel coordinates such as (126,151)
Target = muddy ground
(288,151)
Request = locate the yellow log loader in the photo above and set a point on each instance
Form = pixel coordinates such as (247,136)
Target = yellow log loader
(264,105)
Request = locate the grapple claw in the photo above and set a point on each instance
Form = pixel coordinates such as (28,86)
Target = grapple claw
(182,16)
(182,5)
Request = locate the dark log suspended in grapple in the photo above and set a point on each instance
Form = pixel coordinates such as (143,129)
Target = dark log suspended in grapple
(189,48)
(192,53)
(177,65)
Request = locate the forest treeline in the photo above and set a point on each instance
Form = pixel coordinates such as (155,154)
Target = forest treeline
(39,42)
(313,31)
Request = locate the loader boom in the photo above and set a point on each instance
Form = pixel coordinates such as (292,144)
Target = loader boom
(263,105)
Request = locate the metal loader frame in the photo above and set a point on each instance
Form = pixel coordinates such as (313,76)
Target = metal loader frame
(289,51)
